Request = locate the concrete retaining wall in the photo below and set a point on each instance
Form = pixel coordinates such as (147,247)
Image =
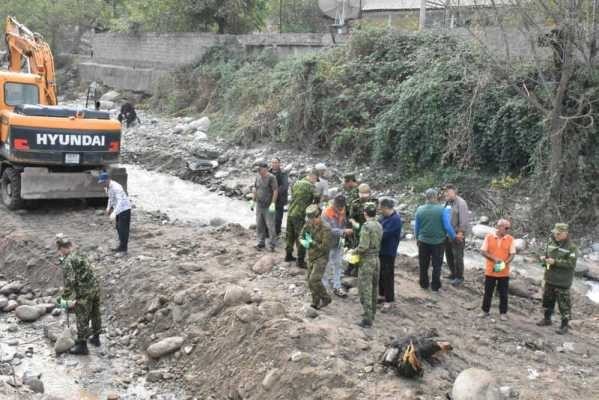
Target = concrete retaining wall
(136,62)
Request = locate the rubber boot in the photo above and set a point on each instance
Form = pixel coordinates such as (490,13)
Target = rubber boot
(79,348)
(546,321)
(95,340)
(289,257)
(563,329)
(301,263)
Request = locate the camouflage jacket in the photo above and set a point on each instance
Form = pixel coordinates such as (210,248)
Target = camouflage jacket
(322,240)
(302,195)
(561,273)
(371,235)
(351,195)
(79,278)
(356,210)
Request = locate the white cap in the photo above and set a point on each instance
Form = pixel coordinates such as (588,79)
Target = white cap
(320,167)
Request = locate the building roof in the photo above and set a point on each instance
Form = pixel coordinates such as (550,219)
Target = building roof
(396,5)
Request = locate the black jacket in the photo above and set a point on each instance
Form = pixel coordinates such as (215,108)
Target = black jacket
(283,184)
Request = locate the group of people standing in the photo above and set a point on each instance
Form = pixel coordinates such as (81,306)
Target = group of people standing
(354,233)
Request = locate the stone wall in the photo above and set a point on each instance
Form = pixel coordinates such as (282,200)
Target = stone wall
(136,61)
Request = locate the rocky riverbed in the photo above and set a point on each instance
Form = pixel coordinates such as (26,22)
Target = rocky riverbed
(194,312)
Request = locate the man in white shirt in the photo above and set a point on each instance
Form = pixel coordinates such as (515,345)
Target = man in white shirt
(322,186)
(118,208)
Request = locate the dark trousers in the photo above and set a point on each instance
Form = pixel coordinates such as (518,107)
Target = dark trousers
(280,210)
(387,278)
(426,252)
(123,222)
(502,285)
(454,254)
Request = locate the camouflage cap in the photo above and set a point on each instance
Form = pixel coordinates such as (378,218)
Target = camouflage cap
(349,177)
(363,188)
(560,227)
(62,240)
(370,207)
(312,211)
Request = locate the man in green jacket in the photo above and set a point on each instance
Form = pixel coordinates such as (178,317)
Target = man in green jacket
(316,237)
(80,285)
(559,262)
(302,195)
(368,249)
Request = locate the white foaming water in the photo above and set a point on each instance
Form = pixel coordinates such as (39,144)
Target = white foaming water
(183,200)
(593,292)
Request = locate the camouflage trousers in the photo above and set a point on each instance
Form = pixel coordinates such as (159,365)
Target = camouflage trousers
(316,269)
(553,294)
(88,309)
(294,228)
(368,285)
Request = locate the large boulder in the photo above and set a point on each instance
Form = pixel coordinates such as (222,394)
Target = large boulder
(64,342)
(204,150)
(111,96)
(475,384)
(11,306)
(12,287)
(28,313)
(582,267)
(165,346)
(235,295)
(480,231)
(264,265)
(592,272)
(201,124)
(3,302)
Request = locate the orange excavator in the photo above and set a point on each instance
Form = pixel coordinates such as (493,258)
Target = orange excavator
(48,151)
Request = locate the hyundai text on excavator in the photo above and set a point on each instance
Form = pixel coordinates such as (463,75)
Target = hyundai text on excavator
(47,151)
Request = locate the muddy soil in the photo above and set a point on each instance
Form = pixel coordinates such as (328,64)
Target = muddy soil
(173,283)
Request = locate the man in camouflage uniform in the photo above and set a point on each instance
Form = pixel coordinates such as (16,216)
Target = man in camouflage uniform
(356,218)
(559,262)
(80,283)
(302,195)
(371,234)
(316,237)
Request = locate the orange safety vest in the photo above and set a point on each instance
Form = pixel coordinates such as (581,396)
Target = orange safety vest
(498,248)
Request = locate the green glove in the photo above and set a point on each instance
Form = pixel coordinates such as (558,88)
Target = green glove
(355,225)
(62,303)
(305,243)
(308,237)
(272,207)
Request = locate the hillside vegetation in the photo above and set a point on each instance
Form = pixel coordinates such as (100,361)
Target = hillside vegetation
(412,103)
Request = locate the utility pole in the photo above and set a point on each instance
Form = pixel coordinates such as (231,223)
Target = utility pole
(280,16)
(422,15)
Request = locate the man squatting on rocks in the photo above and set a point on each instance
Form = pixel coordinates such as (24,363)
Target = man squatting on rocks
(335,216)
(302,195)
(316,238)
(499,249)
(432,226)
(559,261)
(80,284)
(282,192)
(119,210)
(265,199)
(460,222)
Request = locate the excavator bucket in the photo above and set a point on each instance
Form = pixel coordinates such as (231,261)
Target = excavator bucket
(39,183)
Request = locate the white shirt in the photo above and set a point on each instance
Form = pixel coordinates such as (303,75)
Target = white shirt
(322,187)
(117,198)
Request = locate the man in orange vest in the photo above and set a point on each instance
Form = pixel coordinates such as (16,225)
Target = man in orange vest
(499,249)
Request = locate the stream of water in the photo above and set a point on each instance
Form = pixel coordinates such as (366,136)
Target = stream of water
(183,200)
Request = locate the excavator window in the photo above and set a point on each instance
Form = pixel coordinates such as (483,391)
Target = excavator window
(20,93)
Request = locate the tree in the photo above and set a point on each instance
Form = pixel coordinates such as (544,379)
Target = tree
(562,87)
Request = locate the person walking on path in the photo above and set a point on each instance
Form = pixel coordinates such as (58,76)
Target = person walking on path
(559,261)
(119,210)
(282,192)
(316,239)
(80,285)
(368,274)
(336,218)
(499,249)
(322,185)
(302,195)
(460,221)
(392,224)
(265,199)
(432,225)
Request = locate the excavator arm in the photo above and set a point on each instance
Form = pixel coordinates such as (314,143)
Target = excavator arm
(24,45)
